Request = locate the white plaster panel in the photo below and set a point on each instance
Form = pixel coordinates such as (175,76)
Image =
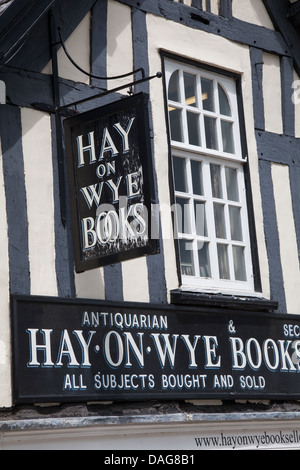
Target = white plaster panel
(214,5)
(5,348)
(135,280)
(37,150)
(287,236)
(272,93)
(119,44)
(78,46)
(252,11)
(90,284)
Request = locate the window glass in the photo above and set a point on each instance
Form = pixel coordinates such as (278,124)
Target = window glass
(193,128)
(232,184)
(183,215)
(235,223)
(216,183)
(176,124)
(223,261)
(190,89)
(174,90)
(219,211)
(211,133)
(227,136)
(186,258)
(180,174)
(224,102)
(200,218)
(239,263)
(208,101)
(203,257)
(197,177)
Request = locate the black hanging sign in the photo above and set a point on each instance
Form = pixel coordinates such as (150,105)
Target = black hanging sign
(73,350)
(111,183)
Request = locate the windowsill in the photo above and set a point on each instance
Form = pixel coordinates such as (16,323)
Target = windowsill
(218,300)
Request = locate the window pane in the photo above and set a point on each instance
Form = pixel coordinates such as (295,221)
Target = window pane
(200,218)
(180,174)
(211,133)
(216,184)
(203,256)
(193,128)
(235,223)
(223,262)
(186,258)
(196,168)
(190,89)
(220,221)
(208,94)
(232,184)
(183,215)
(227,137)
(239,263)
(175,124)
(174,90)
(224,102)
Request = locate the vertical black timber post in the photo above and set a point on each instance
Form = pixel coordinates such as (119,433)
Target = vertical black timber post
(99,43)
(272,236)
(256,56)
(197,4)
(155,264)
(287,78)
(58,123)
(225,9)
(16,202)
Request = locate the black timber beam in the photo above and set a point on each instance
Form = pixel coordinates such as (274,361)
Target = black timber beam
(278,148)
(17,22)
(230,28)
(34,90)
(279,13)
(30,44)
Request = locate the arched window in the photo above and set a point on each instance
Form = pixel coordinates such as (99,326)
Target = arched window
(211,209)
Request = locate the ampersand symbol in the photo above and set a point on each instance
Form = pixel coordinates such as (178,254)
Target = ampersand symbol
(231,327)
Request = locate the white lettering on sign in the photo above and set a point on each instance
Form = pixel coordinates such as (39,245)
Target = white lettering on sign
(108,144)
(111,224)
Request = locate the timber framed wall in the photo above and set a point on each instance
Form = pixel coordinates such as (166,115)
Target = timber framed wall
(37,246)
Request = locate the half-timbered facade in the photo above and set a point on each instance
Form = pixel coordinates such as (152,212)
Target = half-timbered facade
(223,126)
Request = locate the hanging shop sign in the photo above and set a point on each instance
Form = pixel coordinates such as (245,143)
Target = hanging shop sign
(72,350)
(111,183)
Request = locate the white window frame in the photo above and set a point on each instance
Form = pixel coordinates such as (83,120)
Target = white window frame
(212,157)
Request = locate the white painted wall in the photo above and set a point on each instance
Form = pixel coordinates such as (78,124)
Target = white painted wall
(37,151)
(135,280)
(287,236)
(226,55)
(272,93)
(78,46)
(119,43)
(90,284)
(252,11)
(5,348)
